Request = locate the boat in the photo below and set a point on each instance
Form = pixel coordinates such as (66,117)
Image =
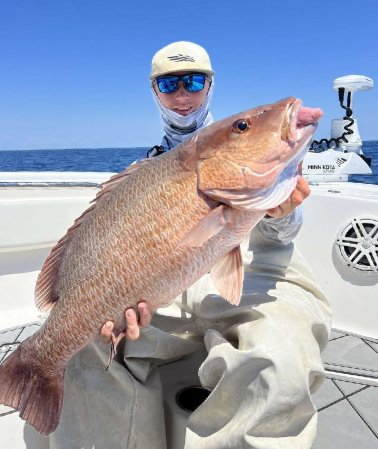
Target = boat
(339,239)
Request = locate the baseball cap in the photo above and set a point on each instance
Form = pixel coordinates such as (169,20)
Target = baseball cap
(179,57)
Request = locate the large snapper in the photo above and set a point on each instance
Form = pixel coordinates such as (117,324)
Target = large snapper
(152,231)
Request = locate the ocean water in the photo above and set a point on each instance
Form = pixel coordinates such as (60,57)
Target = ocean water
(71,159)
(370,149)
(116,159)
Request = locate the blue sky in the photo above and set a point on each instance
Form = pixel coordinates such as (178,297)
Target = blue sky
(74,73)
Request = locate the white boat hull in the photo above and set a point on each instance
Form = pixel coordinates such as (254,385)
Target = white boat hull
(353,293)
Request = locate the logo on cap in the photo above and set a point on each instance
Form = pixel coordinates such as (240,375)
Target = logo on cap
(180,58)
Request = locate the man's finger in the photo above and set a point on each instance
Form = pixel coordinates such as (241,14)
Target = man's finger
(303,187)
(132,327)
(296,199)
(144,314)
(106,332)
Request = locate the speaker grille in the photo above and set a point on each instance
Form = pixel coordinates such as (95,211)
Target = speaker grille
(357,245)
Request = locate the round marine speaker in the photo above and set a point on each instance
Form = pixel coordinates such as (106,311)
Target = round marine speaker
(357,245)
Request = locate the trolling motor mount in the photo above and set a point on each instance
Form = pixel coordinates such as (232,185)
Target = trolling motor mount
(336,158)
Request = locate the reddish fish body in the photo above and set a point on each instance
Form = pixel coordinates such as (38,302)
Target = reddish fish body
(152,232)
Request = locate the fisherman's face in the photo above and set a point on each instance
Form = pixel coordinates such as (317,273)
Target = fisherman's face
(182,101)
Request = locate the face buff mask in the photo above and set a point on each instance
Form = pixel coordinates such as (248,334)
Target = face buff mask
(178,127)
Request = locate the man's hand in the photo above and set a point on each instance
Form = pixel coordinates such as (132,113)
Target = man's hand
(299,194)
(133,324)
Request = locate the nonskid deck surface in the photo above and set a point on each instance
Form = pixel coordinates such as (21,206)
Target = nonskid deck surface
(347,401)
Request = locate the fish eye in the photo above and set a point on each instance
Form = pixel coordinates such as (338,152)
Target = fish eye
(240,126)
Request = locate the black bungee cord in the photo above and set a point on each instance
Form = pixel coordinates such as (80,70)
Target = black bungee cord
(326,144)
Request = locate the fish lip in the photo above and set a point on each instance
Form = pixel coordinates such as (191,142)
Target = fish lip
(297,130)
(291,118)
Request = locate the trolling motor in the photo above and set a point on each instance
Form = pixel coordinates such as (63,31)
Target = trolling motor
(336,158)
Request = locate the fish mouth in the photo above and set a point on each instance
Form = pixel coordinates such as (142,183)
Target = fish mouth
(299,123)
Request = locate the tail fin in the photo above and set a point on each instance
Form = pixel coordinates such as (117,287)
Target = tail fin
(37,394)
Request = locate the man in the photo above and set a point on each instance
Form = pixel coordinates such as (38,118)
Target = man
(263,357)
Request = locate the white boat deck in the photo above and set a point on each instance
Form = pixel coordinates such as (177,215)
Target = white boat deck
(347,400)
(348,408)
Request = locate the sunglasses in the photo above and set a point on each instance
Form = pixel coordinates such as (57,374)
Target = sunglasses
(193,82)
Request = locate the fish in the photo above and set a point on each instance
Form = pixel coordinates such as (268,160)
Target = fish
(151,232)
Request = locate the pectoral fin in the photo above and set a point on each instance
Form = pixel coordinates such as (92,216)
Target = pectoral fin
(206,228)
(228,275)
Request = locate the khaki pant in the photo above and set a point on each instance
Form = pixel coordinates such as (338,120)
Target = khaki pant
(263,363)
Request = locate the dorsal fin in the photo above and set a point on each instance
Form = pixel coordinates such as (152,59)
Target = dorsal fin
(45,294)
